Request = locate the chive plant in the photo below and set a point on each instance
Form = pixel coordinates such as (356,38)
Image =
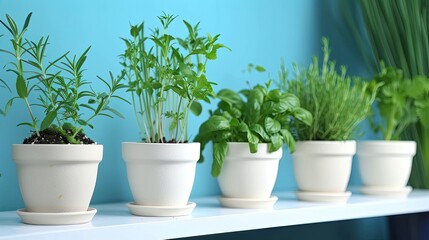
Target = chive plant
(397,33)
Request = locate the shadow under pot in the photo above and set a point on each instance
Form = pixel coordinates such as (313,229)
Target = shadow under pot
(322,170)
(385,167)
(57,181)
(161,177)
(247,179)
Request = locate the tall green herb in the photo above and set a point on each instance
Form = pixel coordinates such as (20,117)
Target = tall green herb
(398,33)
(167,78)
(337,103)
(58,86)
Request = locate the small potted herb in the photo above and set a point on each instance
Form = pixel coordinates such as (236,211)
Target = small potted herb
(57,165)
(385,165)
(323,157)
(247,137)
(166,78)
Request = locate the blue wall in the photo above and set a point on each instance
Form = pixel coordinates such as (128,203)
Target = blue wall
(258,31)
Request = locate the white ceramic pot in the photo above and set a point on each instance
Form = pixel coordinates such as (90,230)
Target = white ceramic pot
(323,166)
(249,175)
(57,177)
(385,164)
(161,174)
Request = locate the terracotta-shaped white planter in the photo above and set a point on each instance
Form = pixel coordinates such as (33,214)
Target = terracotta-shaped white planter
(322,169)
(246,175)
(57,178)
(161,174)
(385,166)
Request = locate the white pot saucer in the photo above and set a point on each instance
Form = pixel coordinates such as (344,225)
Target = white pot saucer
(386,191)
(248,202)
(323,196)
(65,218)
(161,211)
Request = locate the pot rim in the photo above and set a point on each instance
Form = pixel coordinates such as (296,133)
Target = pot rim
(386,141)
(328,142)
(58,145)
(160,144)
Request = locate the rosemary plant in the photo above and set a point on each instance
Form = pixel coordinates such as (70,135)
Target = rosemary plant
(167,78)
(337,103)
(57,86)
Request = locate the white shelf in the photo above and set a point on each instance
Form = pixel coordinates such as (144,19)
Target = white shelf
(113,221)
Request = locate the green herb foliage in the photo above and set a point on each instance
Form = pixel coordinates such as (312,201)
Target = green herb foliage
(58,86)
(167,78)
(400,102)
(337,103)
(396,31)
(265,117)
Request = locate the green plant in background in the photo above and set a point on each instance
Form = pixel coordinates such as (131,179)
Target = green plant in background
(400,102)
(397,33)
(58,86)
(265,117)
(167,78)
(337,103)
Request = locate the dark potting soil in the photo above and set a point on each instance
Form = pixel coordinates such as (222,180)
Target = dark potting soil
(164,140)
(48,136)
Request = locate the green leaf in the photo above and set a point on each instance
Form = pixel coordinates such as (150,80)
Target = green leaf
(116,112)
(253,140)
(290,100)
(185,69)
(214,123)
(242,127)
(49,118)
(303,115)
(27,21)
(288,139)
(274,95)
(134,31)
(21,87)
(276,143)
(82,122)
(259,68)
(25,124)
(211,55)
(229,97)
(272,125)
(257,128)
(196,108)
(219,152)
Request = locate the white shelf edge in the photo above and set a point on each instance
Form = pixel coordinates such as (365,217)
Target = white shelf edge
(113,221)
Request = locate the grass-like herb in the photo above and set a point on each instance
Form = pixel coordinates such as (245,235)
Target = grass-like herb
(167,78)
(398,34)
(58,85)
(337,103)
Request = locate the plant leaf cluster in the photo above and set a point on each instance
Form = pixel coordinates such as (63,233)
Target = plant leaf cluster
(167,77)
(396,31)
(263,116)
(338,103)
(59,86)
(400,102)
